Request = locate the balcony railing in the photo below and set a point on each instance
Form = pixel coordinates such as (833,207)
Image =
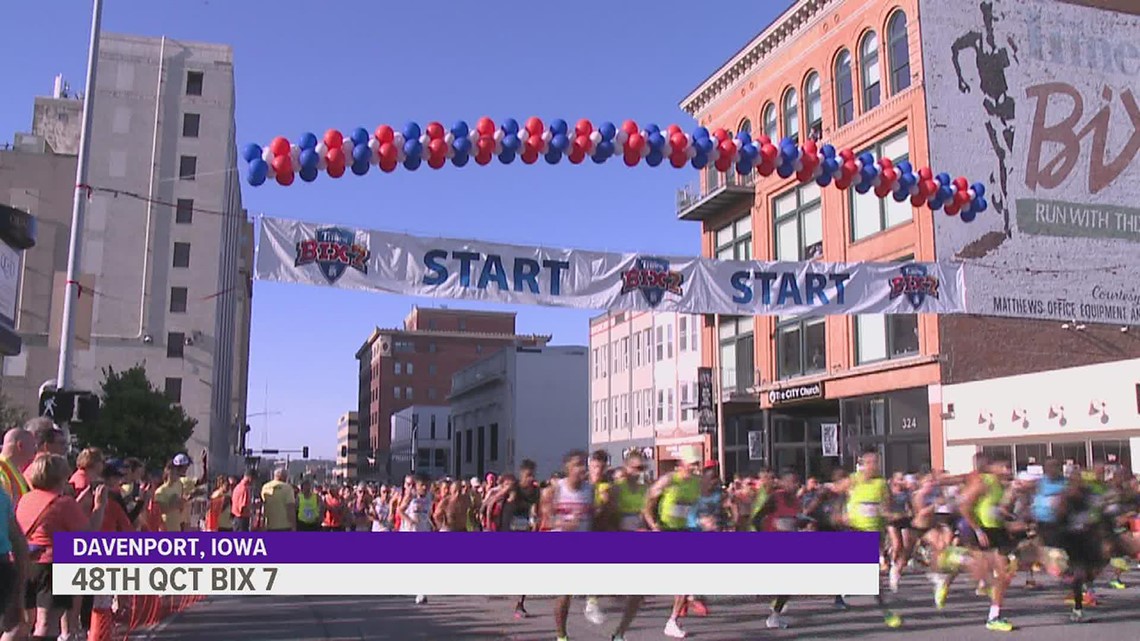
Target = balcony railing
(697,201)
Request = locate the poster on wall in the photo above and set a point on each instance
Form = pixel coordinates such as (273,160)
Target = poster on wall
(829,436)
(1040,99)
(756,445)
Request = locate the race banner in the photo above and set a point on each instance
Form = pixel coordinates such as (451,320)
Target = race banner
(344,257)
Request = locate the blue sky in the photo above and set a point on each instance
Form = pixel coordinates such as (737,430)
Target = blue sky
(303,67)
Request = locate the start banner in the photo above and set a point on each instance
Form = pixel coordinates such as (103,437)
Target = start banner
(338,256)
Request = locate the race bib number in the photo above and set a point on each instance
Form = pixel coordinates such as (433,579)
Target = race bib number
(786,525)
(869,510)
(520,524)
(630,522)
(308,514)
(680,511)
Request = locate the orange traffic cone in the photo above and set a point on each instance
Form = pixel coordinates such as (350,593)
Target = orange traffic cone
(102,625)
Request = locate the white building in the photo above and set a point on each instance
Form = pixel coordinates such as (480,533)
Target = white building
(1081,415)
(519,403)
(347,465)
(167,248)
(431,445)
(643,385)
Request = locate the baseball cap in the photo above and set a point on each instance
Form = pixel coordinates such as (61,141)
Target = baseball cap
(180,460)
(475,480)
(711,464)
(113,467)
(690,456)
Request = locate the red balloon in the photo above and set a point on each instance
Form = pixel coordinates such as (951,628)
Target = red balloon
(727,149)
(721,135)
(883,190)
(810,161)
(889,176)
(336,170)
(805,175)
(388,152)
(847,154)
(282,164)
(483,158)
(843,183)
(632,158)
(486,145)
(766,167)
(584,128)
(386,165)
(334,139)
(849,169)
(285,179)
(485,126)
(582,142)
(769,152)
(926,173)
(927,188)
(279,146)
(810,147)
(534,126)
(952,209)
(677,140)
(635,143)
(723,164)
(629,127)
(918,200)
(678,159)
(435,131)
(763,140)
(577,156)
(961,183)
(438,149)
(534,144)
(530,156)
(674,129)
(384,134)
(436,162)
(886,163)
(961,198)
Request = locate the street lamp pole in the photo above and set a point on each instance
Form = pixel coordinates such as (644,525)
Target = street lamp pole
(415,435)
(82,193)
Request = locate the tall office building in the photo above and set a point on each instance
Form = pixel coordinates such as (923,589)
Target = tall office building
(347,447)
(166,269)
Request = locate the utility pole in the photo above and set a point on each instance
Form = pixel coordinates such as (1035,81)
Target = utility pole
(82,193)
(415,434)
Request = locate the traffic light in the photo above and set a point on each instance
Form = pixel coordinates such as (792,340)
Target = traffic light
(243,433)
(305,452)
(69,406)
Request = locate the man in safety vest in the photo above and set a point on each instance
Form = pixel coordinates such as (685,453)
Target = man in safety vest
(310,508)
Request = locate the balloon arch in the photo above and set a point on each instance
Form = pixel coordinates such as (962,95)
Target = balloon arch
(388,148)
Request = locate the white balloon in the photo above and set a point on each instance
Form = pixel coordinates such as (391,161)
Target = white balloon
(473,136)
(620,137)
(425,140)
(714,155)
(691,152)
(400,155)
(374,144)
(272,173)
(645,150)
(295,154)
(375,160)
(498,147)
(321,149)
(347,147)
(914,190)
(798,164)
(267,155)
(398,139)
(547,136)
(499,135)
(449,138)
(973,194)
(450,151)
(322,163)
(818,171)
(688,141)
(425,152)
(595,137)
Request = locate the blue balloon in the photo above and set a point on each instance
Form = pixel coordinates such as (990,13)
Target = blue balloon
(744,168)
(979,189)
(511,143)
(831,166)
(461,145)
(700,133)
(946,192)
(944,178)
(828,151)
(412,147)
(598,158)
(604,149)
(704,145)
(251,152)
(863,188)
(981,204)
(867,174)
(308,141)
(308,174)
(608,130)
(656,141)
(558,126)
(867,157)
(310,159)
(460,159)
(905,167)
(900,196)
(360,136)
(651,129)
(412,131)
(553,156)
(823,180)
(361,154)
(935,204)
(744,137)
(968,216)
(360,168)
(560,142)
(654,158)
(749,151)
(258,172)
(789,150)
(412,163)
(507,157)
(460,129)
(785,170)
(700,161)
(511,127)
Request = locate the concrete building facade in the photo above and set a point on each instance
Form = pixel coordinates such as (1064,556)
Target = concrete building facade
(849,73)
(167,253)
(643,386)
(348,461)
(400,367)
(520,403)
(429,451)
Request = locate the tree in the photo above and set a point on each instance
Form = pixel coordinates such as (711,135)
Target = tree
(137,419)
(11,415)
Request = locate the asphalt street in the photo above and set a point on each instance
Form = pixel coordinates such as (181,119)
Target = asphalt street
(1040,615)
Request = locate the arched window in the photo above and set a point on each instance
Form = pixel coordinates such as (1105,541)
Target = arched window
(769,116)
(869,71)
(844,90)
(813,106)
(745,127)
(898,52)
(791,114)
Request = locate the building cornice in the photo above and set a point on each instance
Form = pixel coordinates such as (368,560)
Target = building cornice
(787,26)
(398,332)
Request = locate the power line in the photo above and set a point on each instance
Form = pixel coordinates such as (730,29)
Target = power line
(155,201)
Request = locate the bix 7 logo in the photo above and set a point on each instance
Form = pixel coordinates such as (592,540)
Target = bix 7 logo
(333,251)
(653,278)
(915,283)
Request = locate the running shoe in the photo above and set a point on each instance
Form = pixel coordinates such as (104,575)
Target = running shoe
(698,607)
(840,604)
(673,630)
(776,622)
(1117,584)
(421,599)
(999,625)
(1089,600)
(941,593)
(892,620)
(520,612)
(1078,616)
(593,612)
(563,639)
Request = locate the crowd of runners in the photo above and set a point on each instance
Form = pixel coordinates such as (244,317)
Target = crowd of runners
(987,527)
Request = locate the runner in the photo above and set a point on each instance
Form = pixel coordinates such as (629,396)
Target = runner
(898,528)
(604,520)
(984,529)
(568,506)
(780,513)
(310,508)
(415,512)
(667,510)
(1060,509)
(525,513)
(627,500)
(381,510)
(335,509)
(457,510)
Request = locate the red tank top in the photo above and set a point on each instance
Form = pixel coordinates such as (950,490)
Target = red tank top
(782,518)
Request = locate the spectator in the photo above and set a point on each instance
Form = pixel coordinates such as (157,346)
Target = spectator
(219,517)
(116,517)
(43,511)
(49,439)
(168,497)
(241,500)
(280,503)
(89,466)
(18,451)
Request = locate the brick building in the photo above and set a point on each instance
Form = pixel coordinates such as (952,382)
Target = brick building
(414,364)
(849,72)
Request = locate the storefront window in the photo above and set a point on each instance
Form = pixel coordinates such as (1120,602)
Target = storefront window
(1030,454)
(1113,453)
(737,354)
(998,452)
(801,347)
(1075,453)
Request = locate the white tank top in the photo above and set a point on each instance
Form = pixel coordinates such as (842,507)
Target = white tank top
(381,506)
(420,508)
(573,509)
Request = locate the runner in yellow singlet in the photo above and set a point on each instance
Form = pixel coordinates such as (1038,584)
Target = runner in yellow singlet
(626,500)
(667,510)
(985,530)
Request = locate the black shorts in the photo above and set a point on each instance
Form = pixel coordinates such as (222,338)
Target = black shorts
(7,584)
(308,527)
(999,539)
(942,519)
(900,524)
(1084,548)
(39,594)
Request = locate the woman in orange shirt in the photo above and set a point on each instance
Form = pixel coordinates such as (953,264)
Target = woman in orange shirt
(334,511)
(219,516)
